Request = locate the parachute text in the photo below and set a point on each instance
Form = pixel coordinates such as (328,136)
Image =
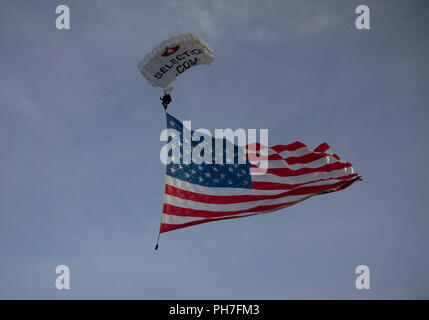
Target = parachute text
(182,61)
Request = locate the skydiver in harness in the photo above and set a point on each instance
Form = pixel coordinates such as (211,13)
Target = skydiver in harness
(166,98)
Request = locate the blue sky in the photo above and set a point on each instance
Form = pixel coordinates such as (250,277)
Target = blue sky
(81,182)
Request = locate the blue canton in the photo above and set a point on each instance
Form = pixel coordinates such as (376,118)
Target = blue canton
(206,174)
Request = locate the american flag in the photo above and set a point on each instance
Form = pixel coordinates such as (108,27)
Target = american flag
(199,193)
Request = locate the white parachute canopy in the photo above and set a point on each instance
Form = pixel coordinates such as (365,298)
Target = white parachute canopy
(174,56)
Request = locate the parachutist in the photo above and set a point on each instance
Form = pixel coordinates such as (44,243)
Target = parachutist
(166,99)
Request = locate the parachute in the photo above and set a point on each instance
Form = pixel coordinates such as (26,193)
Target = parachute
(173,57)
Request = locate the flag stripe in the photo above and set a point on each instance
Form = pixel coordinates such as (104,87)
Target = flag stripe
(300,156)
(286,172)
(325,159)
(283,186)
(302,178)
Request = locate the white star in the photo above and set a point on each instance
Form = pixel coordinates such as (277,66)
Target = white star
(207,174)
(229,182)
(222,175)
(230,170)
(238,175)
(200,168)
(245,182)
(201,179)
(193,171)
(172,170)
(187,175)
(215,180)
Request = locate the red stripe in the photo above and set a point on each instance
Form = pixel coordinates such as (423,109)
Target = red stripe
(322,148)
(165,227)
(259,185)
(306,158)
(289,147)
(170,227)
(278,148)
(310,157)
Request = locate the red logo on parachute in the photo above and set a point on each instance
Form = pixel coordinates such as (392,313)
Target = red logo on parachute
(169,51)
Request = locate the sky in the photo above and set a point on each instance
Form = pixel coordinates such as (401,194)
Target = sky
(81,181)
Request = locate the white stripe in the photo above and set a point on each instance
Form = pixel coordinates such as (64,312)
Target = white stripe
(172,219)
(286,154)
(314,164)
(329,151)
(268,177)
(297,153)
(216,191)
